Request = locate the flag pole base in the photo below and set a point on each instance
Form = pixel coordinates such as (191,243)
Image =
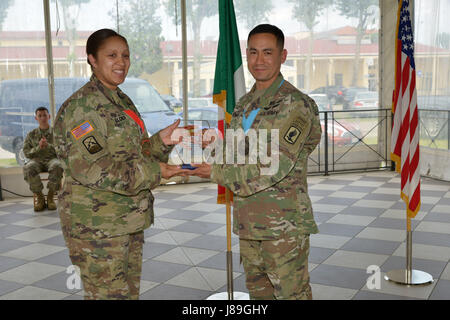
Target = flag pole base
(224,296)
(415,277)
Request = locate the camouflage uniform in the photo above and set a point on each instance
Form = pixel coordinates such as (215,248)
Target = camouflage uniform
(110,166)
(272,214)
(41,160)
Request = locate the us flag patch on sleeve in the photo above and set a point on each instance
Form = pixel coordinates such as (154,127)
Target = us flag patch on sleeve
(82,130)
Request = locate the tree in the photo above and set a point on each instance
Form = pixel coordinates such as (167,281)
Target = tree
(252,12)
(4,5)
(308,12)
(71,11)
(141,27)
(197,11)
(363,11)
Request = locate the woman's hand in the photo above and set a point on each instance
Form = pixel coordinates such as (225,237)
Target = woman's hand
(167,133)
(168,171)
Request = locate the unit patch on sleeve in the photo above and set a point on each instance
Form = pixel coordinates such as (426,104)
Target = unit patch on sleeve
(91,145)
(292,135)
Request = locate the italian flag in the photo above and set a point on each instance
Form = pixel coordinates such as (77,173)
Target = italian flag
(229,82)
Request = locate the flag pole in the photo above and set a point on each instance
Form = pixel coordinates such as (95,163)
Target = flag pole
(229,252)
(409,276)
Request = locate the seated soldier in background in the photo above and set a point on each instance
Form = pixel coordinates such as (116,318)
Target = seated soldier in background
(38,148)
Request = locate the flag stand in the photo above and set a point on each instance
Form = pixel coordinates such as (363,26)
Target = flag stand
(409,276)
(230,294)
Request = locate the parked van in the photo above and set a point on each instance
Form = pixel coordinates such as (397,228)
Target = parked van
(20,98)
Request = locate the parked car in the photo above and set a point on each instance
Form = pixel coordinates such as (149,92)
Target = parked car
(365,99)
(20,98)
(200,103)
(173,103)
(208,116)
(18,101)
(322,101)
(349,96)
(334,93)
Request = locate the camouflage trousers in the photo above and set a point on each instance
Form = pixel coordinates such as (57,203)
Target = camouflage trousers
(277,269)
(31,174)
(110,268)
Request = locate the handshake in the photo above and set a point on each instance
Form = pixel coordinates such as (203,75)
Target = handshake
(167,171)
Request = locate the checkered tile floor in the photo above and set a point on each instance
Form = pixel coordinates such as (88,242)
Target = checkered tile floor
(361,222)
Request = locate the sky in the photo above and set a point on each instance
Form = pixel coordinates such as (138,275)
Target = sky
(94,15)
(24,16)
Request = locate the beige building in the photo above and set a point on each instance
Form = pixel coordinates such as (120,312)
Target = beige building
(22,55)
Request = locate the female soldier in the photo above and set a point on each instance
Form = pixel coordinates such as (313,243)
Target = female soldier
(110,166)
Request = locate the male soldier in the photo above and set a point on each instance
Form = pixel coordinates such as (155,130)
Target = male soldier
(272,213)
(38,147)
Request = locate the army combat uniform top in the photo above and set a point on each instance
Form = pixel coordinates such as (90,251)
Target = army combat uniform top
(110,164)
(270,207)
(31,147)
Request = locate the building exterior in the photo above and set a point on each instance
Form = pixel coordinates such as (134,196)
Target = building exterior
(22,55)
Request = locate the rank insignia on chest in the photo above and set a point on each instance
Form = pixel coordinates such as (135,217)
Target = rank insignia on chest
(292,135)
(91,145)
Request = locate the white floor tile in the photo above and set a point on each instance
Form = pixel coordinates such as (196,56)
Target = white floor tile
(383,234)
(38,222)
(30,273)
(327,241)
(401,214)
(33,251)
(441,208)
(213,217)
(359,183)
(437,227)
(321,292)
(346,194)
(324,186)
(34,293)
(329,208)
(205,207)
(169,223)
(36,235)
(359,260)
(374,204)
(422,251)
(195,198)
(351,220)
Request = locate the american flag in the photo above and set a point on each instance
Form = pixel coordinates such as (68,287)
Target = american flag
(405,126)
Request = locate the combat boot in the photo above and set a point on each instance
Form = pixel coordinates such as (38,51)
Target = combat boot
(40,202)
(51,205)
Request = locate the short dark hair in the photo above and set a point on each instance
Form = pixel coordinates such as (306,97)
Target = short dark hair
(268,28)
(41,109)
(96,40)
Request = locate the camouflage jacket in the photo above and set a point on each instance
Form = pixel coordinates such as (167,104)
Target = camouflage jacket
(109,161)
(268,207)
(31,147)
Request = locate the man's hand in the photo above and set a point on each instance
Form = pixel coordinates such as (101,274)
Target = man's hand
(203,170)
(208,137)
(168,171)
(43,143)
(166,134)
